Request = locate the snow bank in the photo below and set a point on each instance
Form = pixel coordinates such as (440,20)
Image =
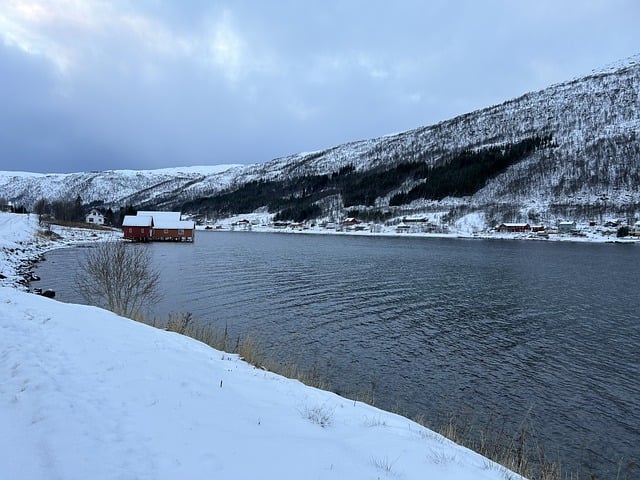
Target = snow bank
(21,240)
(471,223)
(17,230)
(18,241)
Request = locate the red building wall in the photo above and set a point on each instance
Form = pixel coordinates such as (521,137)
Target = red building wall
(139,234)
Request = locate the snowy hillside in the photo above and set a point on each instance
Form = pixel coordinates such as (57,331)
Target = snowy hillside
(590,168)
(88,394)
(113,187)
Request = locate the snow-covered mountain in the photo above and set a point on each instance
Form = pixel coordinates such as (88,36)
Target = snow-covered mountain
(590,168)
(113,187)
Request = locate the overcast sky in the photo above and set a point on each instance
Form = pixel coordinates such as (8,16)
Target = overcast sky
(141,84)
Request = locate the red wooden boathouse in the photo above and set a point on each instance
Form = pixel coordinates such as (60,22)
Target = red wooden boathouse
(149,226)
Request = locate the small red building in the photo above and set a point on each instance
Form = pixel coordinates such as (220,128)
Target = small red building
(514,227)
(137,228)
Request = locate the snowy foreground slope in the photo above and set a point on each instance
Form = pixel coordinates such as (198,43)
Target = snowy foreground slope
(87,394)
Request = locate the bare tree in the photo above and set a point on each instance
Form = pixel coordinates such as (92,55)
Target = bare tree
(119,276)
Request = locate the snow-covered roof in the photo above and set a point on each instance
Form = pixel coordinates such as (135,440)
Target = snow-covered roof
(161,216)
(167,220)
(162,223)
(137,221)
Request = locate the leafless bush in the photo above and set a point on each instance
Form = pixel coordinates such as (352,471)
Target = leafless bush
(179,323)
(319,414)
(118,276)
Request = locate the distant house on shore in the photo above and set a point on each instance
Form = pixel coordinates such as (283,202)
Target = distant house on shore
(94,217)
(151,226)
(403,228)
(566,227)
(349,221)
(514,227)
(415,219)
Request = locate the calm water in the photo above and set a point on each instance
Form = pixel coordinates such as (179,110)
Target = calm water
(514,333)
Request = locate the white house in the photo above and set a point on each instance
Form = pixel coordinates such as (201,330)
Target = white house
(566,227)
(95,217)
(403,228)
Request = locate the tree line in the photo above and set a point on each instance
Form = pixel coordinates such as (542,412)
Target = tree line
(74,210)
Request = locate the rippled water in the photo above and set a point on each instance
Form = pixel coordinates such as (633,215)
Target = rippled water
(538,333)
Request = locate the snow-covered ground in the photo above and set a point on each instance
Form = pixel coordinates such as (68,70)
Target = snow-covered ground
(87,394)
(472,225)
(17,243)
(22,240)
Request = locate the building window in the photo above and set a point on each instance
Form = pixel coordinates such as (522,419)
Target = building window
(166,231)
(180,231)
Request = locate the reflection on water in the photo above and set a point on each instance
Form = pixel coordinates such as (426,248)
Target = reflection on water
(538,332)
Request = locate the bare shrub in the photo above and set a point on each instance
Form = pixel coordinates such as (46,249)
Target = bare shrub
(248,351)
(320,414)
(119,277)
(384,465)
(179,323)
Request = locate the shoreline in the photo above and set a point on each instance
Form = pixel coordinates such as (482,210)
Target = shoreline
(556,237)
(19,257)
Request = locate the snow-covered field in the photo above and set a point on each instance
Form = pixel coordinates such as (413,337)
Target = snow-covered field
(85,394)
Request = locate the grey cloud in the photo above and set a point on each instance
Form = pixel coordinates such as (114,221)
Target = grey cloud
(152,84)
